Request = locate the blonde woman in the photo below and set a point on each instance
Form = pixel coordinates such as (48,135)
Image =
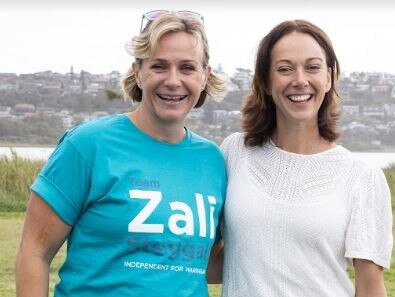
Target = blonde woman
(137,196)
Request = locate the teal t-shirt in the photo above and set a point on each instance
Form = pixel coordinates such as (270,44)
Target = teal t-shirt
(144,213)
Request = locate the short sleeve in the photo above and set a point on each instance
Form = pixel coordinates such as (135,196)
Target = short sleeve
(369,234)
(64,182)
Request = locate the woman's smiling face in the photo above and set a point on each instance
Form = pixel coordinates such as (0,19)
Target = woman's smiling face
(172,79)
(299,78)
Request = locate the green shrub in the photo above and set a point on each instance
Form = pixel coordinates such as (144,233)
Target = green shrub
(16,176)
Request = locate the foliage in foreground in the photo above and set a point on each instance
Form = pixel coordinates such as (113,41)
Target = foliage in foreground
(16,176)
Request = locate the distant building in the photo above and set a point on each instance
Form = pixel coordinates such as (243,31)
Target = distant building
(381,89)
(24,110)
(197,113)
(5,112)
(67,121)
(362,87)
(8,76)
(374,111)
(242,78)
(351,110)
(390,109)
(29,86)
(7,86)
(393,92)
(98,114)
(52,87)
(95,87)
(48,111)
(355,125)
(220,114)
(72,88)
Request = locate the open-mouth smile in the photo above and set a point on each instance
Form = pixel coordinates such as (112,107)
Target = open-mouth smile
(172,98)
(300,98)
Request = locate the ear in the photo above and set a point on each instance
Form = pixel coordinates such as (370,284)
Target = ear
(136,70)
(206,75)
(328,83)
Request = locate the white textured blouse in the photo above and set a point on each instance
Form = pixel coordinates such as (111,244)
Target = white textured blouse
(292,222)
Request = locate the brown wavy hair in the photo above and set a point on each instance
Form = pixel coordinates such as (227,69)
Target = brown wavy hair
(143,45)
(259,110)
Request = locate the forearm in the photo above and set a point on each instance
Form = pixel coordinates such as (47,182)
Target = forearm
(43,234)
(369,279)
(32,276)
(214,268)
(376,290)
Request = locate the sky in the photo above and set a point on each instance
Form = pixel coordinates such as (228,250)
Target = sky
(91,35)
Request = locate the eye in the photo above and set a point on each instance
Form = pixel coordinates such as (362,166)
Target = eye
(313,67)
(158,67)
(284,69)
(188,68)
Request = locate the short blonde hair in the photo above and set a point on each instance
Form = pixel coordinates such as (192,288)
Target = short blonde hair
(143,45)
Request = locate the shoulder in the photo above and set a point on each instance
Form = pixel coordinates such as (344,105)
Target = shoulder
(351,161)
(203,143)
(204,151)
(234,141)
(94,128)
(360,166)
(207,152)
(93,132)
(198,139)
(233,149)
(88,136)
(367,180)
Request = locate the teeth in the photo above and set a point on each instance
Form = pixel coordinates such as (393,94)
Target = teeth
(174,98)
(299,98)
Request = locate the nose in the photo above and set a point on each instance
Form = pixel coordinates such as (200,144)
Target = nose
(173,78)
(301,80)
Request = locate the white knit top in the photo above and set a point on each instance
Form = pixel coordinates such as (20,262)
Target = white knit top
(293,222)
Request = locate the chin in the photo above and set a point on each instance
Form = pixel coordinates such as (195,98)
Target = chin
(173,118)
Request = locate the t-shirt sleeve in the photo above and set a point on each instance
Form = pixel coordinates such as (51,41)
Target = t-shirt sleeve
(64,182)
(369,234)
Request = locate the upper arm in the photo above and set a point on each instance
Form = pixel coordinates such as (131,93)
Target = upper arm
(43,232)
(369,232)
(369,279)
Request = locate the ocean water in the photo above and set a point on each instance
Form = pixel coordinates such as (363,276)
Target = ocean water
(42,153)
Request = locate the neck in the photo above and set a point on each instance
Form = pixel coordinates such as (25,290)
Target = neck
(171,133)
(301,140)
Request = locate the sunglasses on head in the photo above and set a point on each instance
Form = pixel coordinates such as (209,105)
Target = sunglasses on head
(154,14)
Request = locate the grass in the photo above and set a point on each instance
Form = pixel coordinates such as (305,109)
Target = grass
(22,144)
(10,233)
(15,176)
(214,290)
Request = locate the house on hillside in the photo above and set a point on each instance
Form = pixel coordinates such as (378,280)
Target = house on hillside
(23,109)
(5,112)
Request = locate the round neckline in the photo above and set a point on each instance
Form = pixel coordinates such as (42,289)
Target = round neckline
(275,147)
(157,141)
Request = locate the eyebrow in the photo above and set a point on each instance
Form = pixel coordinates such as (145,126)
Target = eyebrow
(166,61)
(290,62)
